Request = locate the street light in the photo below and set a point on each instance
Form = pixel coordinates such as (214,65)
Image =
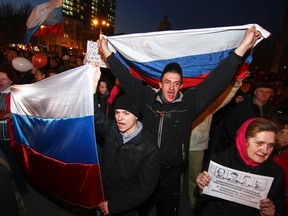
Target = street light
(96,22)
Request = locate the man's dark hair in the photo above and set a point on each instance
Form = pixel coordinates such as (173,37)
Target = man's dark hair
(173,67)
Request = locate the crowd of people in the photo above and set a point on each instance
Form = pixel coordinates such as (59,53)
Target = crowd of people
(56,63)
(148,137)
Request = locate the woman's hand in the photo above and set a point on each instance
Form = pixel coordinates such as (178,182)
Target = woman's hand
(267,207)
(203,180)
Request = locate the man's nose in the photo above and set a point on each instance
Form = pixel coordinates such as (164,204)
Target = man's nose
(120,116)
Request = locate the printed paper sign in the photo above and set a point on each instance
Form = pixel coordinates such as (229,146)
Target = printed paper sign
(237,186)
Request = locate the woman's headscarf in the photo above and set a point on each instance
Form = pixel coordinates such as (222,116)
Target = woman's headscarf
(241,143)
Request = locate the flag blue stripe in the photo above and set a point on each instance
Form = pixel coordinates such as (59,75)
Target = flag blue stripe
(55,17)
(192,66)
(29,33)
(74,144)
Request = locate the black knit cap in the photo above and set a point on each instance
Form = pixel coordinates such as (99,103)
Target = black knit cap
(129,103)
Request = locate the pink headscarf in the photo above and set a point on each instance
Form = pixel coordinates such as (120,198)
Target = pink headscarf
(241,142)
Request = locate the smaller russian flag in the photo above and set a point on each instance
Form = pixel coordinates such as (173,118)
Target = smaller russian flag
(45,19)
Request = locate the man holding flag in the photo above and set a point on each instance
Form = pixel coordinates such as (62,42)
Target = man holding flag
(169,113)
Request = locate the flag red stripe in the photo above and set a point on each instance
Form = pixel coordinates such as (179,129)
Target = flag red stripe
(187,82)
(45,30)
(75,183)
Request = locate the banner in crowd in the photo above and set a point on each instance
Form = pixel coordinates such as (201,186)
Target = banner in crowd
(198,51)
(54,137)
(45,19)
(236,186)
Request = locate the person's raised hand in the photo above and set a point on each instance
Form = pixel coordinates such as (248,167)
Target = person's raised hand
(248,41)
(103,46)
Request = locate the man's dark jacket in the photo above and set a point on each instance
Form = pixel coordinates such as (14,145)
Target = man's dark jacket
(171,123)
(129,171)
(244,111)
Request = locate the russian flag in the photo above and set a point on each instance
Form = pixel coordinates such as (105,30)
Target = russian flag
(198,51)
(54,136)
(45,19)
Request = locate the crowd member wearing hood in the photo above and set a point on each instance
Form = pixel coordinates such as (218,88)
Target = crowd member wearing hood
(255,142)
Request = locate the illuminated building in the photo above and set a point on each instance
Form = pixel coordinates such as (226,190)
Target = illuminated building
(79,24)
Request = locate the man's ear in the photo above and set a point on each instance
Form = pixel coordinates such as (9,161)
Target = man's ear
(160,85)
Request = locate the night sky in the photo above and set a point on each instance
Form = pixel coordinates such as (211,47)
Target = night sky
(145,15)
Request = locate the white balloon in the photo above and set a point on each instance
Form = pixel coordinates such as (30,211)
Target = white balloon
(22,64)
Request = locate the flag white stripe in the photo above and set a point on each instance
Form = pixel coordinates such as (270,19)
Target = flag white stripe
(69,94)
(40,13)
(146,47)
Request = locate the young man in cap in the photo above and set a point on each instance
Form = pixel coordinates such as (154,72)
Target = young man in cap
(130,161)
(168,113)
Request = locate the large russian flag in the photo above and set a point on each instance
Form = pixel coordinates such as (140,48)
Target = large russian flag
(54,136)
(45,19)
(198,51)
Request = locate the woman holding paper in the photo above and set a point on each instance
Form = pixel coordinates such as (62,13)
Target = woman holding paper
(255,142)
